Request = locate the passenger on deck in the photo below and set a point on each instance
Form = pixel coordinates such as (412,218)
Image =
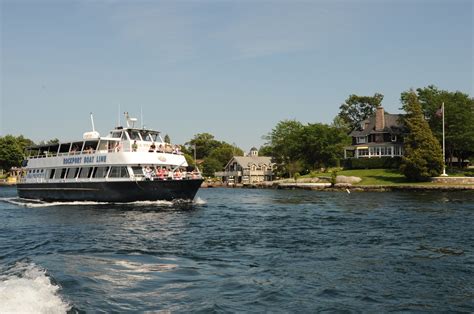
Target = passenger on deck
(177,175)
(148,173)
(160,149)
(134,146)
(117,147)
(176,150)
(152,148)
(160,173)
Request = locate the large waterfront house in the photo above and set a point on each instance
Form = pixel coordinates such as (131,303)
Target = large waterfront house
(248,169)
(381,135)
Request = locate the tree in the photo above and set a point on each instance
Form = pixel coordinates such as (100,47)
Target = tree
(225,152)
(210,166)
(284,142)
(459,119)
(358,108)
(205,143)
(322,145)
(11,151)
(423,156)
(167,139)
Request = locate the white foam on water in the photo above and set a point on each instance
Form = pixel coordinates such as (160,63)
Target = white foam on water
(31,203)
(27,289)
(199,201)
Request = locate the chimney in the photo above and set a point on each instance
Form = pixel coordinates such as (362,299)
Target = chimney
(379,119)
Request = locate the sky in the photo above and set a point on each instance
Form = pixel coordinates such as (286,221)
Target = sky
(230,68)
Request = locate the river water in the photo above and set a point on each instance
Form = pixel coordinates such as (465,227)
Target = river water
(241,250)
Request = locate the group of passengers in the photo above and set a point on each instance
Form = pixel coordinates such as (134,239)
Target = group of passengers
(164,173)
(166,148)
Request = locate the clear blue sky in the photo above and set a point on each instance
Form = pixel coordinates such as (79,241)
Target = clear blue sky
(230,68)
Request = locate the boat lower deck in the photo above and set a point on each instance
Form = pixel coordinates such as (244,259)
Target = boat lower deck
(107,191)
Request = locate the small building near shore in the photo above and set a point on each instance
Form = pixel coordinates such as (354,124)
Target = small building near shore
(248,169)
(381,135)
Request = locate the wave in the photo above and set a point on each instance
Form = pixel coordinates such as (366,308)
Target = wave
(31,203)
(26,288)
(199,201)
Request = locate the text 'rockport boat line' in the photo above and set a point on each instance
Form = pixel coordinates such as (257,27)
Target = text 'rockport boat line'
(130,164)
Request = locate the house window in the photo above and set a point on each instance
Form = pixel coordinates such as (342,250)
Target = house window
(361,139)
(363,152)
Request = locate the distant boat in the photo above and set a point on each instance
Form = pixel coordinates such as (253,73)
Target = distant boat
(129,164)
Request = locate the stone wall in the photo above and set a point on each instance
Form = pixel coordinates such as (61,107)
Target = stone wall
(453,180)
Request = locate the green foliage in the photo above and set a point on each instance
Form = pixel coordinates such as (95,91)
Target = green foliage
(189,159)
(459,119)
(210,166)
(225,152)
(358,108)
(216,154)
(167,139)
(295,146)
(373,163)
(204,143)
(11,151)
(265,150)
(284,142)
(296,176)
(333,177)
(423,156)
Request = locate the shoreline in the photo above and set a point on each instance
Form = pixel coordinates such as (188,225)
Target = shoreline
(347,188)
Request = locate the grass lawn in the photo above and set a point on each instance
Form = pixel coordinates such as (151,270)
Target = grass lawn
(377,177)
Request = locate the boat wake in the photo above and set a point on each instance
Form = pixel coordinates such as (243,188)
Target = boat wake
(31,203)
(26,288)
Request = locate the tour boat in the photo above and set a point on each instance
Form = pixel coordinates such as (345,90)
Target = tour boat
(129,164)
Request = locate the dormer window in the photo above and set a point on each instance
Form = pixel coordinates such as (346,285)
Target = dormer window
(361,139)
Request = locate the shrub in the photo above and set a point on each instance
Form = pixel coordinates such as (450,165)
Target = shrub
(372,163)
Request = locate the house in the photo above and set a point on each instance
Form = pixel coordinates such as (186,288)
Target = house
(381,135)
(248,169)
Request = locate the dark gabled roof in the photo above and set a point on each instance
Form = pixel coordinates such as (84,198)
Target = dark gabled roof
(393,125)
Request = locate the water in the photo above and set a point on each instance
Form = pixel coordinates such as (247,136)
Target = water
(238,250)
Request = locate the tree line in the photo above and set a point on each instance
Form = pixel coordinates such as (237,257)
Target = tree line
(300,148)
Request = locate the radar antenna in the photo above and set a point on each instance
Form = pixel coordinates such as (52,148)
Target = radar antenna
(130,121)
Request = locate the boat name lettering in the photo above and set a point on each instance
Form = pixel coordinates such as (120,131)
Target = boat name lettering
(72,160)
(86,160)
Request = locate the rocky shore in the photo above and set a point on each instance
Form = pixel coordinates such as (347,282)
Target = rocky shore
(348,184)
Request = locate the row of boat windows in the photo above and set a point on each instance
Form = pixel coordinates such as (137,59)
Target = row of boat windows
(81,173)
(137,135)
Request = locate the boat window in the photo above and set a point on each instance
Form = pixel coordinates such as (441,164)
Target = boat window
(90,147)
(103,145)
(62,173)
(100,172)
(117,134)
(137,171)
(51,173)
(134,135)
(64,148)
(85,172)
(118,172)
(71,174)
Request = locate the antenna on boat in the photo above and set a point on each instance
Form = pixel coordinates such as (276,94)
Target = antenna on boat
(118,115)
(93,134)
(92,121)
(130,120)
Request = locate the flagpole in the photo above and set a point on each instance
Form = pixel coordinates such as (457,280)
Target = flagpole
(444,146)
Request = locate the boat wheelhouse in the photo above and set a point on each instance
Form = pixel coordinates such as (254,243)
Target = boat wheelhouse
(129,164)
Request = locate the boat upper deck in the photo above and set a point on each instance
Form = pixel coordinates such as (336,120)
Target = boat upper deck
(118,140)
